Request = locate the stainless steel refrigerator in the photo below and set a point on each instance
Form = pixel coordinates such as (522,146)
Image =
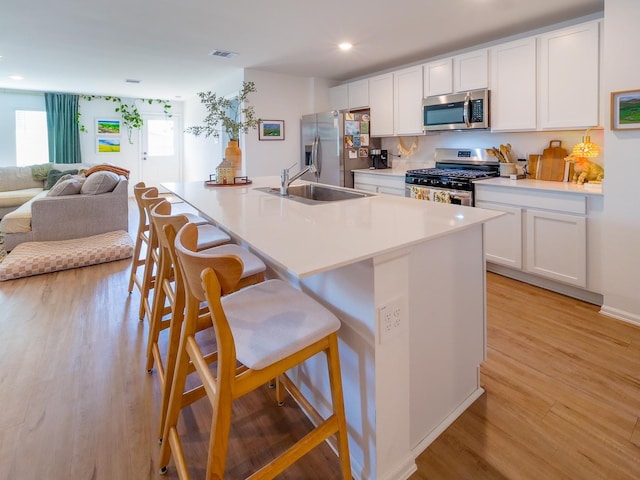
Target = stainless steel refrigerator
(338,143)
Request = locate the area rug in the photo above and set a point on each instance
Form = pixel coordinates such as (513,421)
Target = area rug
(35,258)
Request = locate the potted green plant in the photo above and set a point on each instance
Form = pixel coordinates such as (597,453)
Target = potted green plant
(233,115)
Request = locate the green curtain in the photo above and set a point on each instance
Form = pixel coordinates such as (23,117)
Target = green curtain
(62,126)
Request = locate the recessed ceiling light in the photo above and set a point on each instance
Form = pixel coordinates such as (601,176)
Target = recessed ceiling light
(16,77)
(345,46)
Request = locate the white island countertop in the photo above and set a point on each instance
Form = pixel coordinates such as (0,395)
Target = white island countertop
(309,239)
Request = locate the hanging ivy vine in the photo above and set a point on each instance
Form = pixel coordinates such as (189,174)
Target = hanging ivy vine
(129,112)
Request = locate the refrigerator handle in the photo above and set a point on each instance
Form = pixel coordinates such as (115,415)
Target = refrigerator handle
(314,156)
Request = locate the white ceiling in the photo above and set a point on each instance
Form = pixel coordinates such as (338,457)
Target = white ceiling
(91,47)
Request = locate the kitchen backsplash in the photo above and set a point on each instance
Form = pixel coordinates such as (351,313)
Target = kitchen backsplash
(420,149)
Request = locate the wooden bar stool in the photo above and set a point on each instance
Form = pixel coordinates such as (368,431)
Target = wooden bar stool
(170,290)
(268,328)
(210,236)
(142,237)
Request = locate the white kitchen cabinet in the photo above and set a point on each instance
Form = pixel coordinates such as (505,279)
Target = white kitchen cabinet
(381,105)
(438,77)
(358,94)
(338,98)
(556,246)
(349,96)
(407,88)
(569,77)
(460,73)
(544,232)
(503,235)
(391,184)
(513,86)
(471,71)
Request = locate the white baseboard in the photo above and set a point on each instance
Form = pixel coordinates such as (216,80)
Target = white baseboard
(620,315)
(548,284)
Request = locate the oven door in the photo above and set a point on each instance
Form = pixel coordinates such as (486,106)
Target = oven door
(441,195)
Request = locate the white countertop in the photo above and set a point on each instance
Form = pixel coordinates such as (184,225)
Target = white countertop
(527,183)
(308,239)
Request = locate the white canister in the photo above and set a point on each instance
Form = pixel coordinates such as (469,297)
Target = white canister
(507,169)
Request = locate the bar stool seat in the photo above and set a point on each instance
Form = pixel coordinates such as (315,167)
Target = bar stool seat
(211,236)
(251,264)
(193,218)
(294,321)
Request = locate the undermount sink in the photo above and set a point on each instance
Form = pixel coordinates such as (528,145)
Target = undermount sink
(312,193)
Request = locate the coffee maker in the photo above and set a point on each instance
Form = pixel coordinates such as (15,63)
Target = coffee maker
(379,158)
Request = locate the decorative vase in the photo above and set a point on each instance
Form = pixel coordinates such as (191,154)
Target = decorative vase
(234,154)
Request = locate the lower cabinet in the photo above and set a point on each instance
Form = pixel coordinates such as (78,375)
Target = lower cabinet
(542,233)
(503,235)
(379,183)
(556,246)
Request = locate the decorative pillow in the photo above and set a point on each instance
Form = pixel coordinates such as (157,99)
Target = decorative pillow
(39,172)
(54,175)
(69,186)
(100,182)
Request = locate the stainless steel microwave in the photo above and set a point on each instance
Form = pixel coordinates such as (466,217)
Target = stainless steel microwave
(457,111)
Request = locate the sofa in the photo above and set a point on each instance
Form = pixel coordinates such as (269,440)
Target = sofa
(67,207)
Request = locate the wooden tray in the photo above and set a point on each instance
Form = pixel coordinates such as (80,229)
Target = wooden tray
(239,182)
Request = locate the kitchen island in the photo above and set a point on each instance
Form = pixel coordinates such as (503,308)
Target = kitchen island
(406,279)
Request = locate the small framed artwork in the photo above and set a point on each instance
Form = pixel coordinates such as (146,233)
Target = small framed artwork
(105,126)
(108,145)
(271,130)
(625,110)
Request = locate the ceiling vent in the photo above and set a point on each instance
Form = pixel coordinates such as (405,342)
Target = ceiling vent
(223,54)
(131,80)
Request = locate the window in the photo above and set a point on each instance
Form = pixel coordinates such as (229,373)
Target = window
(31,138)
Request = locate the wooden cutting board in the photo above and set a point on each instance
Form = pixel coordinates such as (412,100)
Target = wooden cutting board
(551,164)
(532,167)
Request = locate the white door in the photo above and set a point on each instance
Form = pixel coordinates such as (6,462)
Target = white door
(161,149)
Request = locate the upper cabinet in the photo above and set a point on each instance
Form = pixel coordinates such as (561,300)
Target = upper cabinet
(544,82)
(338,98)
(349,96)
(461,73)
(438,77)
(381,105)
(470,71)
(513,86)
(569,77)
(407,96)
(358,93)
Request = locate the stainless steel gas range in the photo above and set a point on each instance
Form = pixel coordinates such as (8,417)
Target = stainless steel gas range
(451,181)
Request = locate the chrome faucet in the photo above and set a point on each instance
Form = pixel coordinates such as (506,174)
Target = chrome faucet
(285,181)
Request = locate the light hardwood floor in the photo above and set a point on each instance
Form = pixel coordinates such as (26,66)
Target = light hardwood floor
(562,401)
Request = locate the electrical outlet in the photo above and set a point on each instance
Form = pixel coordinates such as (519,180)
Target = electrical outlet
(390,320)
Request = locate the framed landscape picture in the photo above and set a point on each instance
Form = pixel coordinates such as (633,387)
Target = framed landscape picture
(271,130)
(625,110)
(105,126)
(108,145)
